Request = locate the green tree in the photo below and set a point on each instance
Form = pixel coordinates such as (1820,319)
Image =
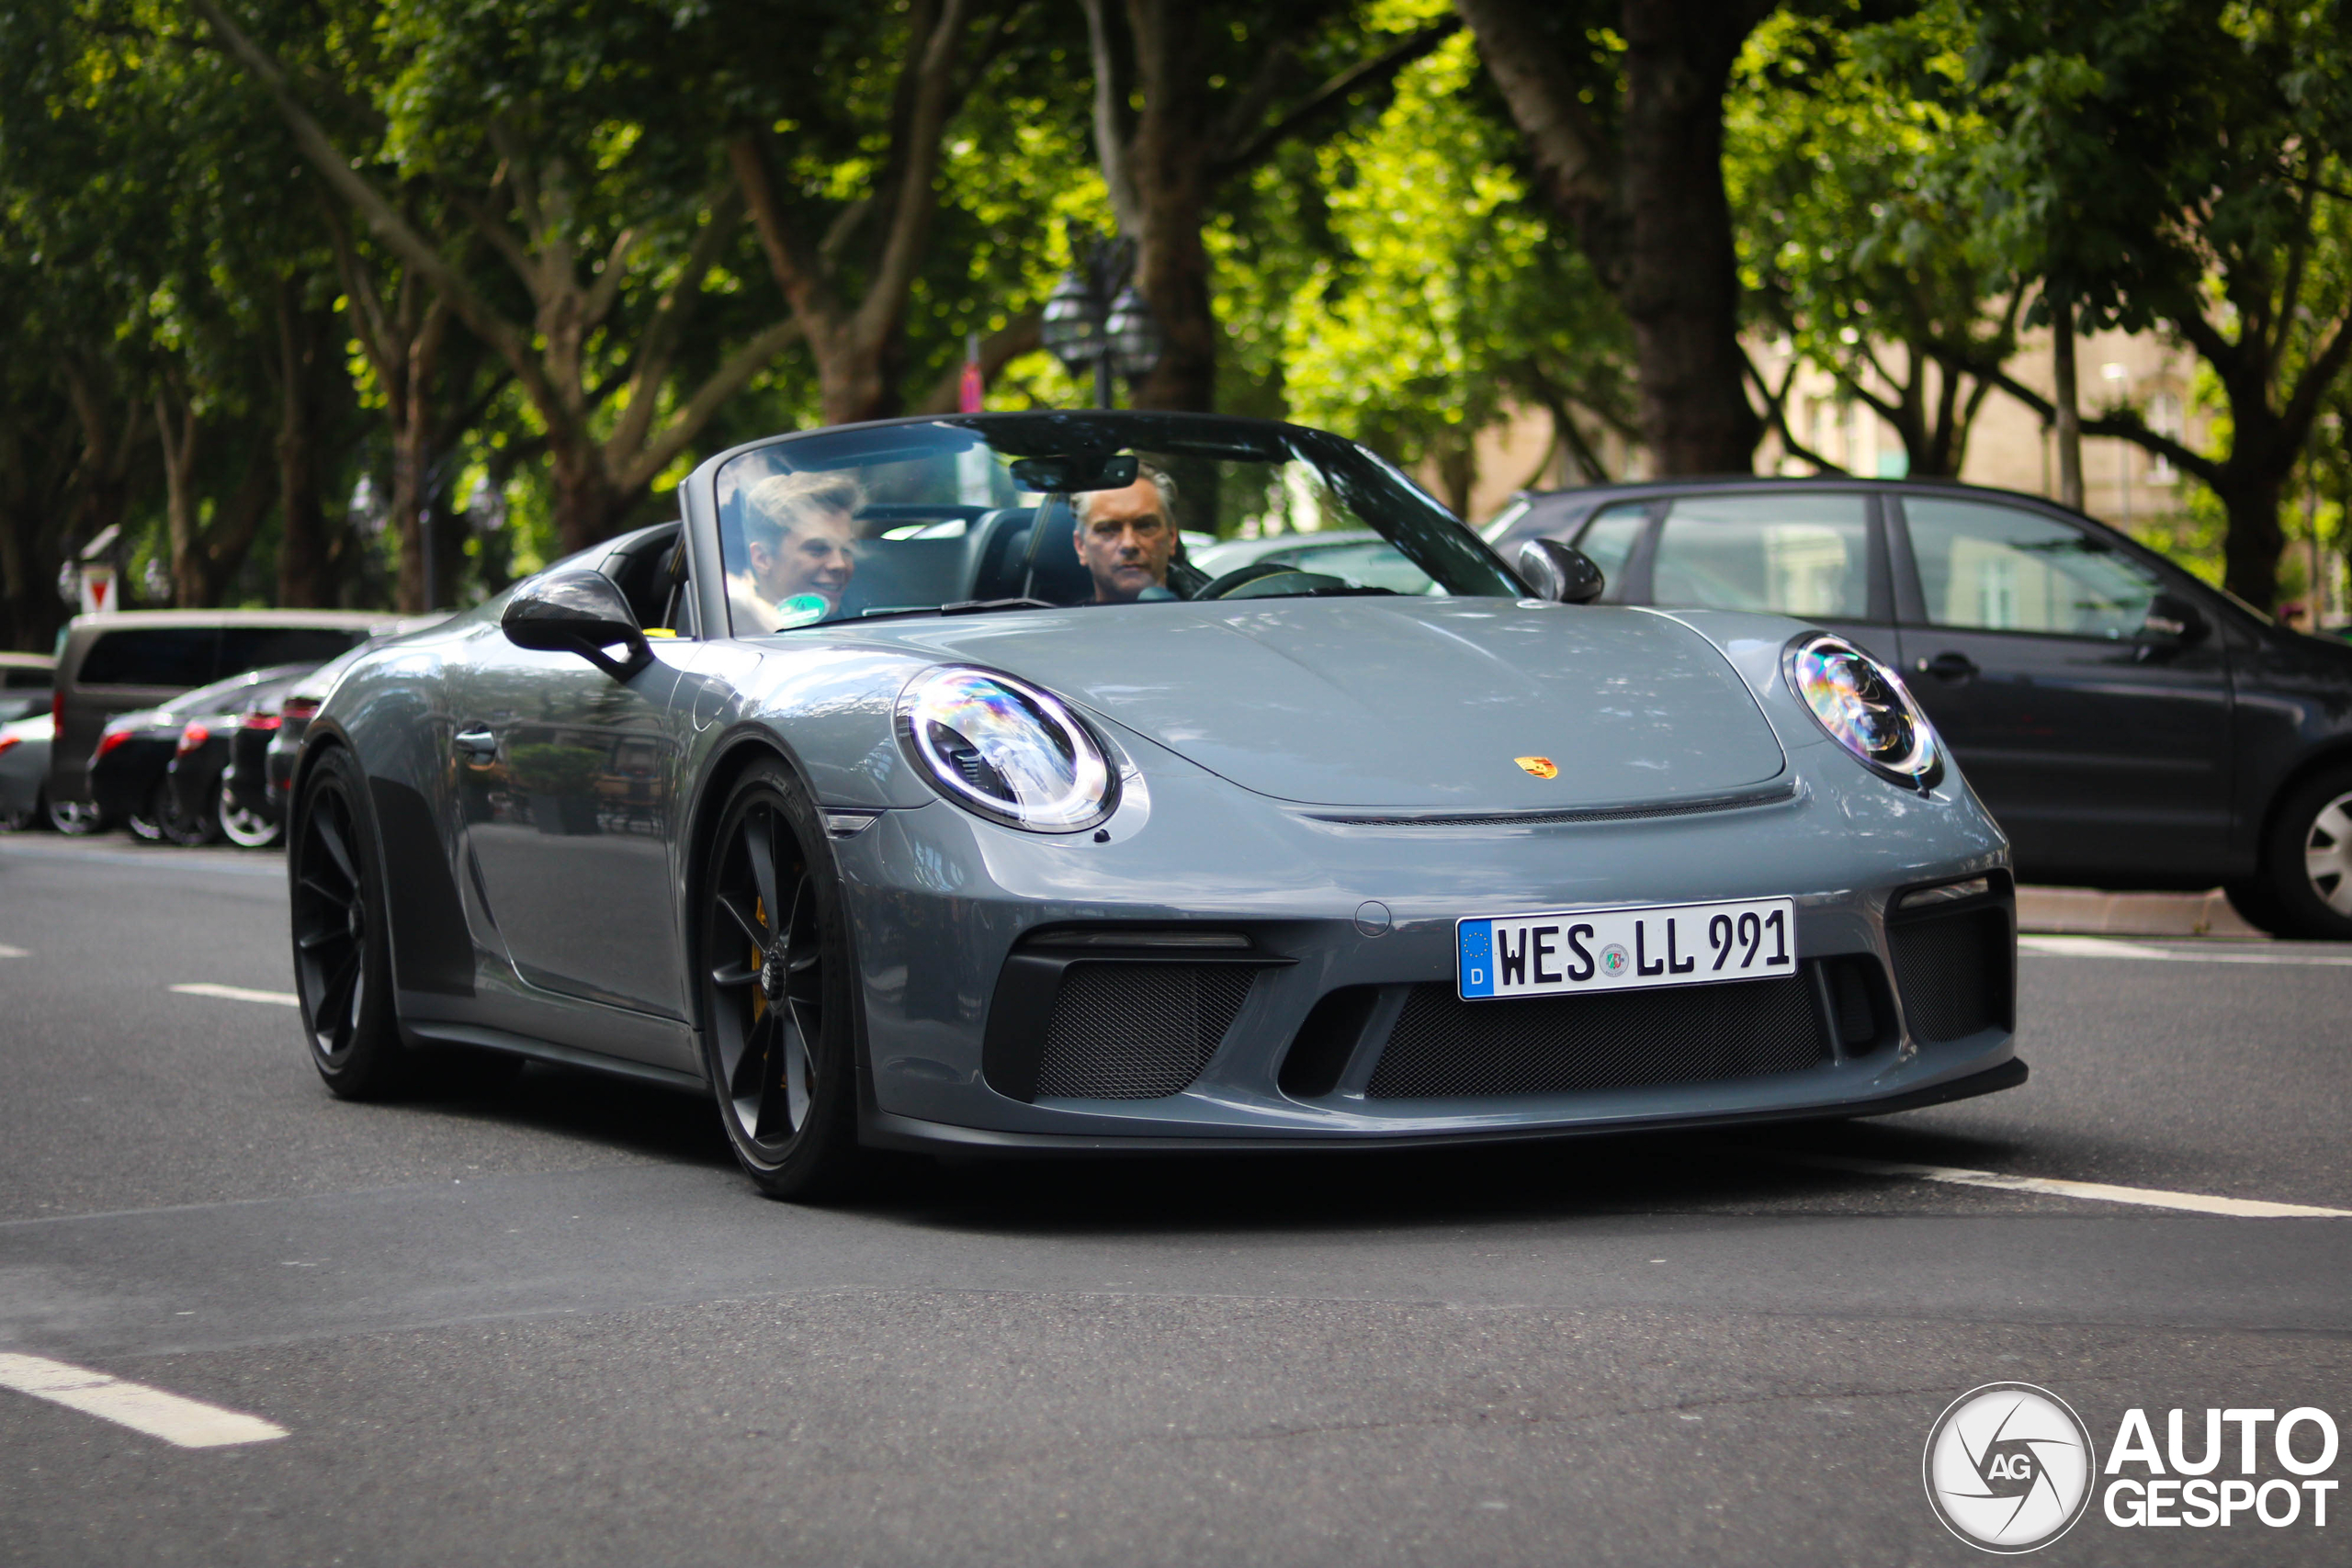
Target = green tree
(2186,162)
(1446,299)
(1848,244)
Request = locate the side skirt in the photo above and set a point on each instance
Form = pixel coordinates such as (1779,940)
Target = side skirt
(432,1032)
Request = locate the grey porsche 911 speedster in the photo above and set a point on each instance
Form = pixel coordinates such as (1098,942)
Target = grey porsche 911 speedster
(915,791)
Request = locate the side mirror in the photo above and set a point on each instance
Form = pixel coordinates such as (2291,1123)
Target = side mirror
(2172,622)
(1559,572)
(577,612)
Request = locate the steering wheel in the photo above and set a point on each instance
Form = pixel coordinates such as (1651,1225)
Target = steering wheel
(1242,582)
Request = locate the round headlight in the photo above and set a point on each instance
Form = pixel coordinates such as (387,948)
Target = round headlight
(1864,706)
(1006,750)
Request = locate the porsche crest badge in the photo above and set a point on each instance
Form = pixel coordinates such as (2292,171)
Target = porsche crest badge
(1542,767)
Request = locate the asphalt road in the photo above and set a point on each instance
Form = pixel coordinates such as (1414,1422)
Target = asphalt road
(551,1324)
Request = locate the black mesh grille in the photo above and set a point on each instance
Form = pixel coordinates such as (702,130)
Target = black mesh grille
(1443,1047)
(1136,1031)
(1953,973)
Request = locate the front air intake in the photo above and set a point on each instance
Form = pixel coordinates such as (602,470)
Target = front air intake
(1953,972)
(1136,1031)
(1445,1048)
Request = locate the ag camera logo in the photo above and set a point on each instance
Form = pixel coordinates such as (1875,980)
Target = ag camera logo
(2008,1467)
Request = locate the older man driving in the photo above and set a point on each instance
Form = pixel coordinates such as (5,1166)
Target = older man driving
(1127,537)
(800,540)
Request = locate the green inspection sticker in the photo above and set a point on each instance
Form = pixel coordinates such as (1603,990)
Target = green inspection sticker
(802,609)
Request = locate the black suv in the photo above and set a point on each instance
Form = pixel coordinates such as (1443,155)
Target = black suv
(2128,726)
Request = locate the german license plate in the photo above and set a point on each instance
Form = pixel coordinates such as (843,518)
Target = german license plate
(1579,951)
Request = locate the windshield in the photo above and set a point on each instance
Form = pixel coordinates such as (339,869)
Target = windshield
(1050,510)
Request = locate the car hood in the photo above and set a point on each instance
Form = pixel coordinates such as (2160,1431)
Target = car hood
(1405,702)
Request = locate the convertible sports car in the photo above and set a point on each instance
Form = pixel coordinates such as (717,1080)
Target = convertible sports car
(915,792)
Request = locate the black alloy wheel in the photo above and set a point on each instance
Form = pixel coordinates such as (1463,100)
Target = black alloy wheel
(778,1035)
(2305,889)
(341,962)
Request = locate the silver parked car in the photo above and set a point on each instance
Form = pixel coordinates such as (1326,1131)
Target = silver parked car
(916,792)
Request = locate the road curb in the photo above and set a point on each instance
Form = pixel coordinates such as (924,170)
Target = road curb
(2087,911)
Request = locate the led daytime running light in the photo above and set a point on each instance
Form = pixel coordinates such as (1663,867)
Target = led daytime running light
(1007,751)
(1864,707)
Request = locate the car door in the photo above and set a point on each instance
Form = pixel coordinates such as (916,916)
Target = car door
(1818,556)
(2100,752)
(568,779)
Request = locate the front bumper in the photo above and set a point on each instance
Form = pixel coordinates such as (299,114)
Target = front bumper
(946,911)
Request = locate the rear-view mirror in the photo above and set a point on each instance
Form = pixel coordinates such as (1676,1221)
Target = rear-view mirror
(1072,471)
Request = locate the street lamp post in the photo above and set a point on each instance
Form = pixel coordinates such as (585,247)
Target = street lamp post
(1096,321)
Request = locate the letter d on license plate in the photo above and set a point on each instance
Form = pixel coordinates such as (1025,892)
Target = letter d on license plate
(1577,951)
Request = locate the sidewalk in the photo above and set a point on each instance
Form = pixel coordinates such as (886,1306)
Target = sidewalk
(2087,911)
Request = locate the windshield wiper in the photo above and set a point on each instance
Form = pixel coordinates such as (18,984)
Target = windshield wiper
(961,608)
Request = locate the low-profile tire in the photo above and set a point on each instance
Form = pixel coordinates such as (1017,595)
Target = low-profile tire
(246,830)
(773,962)
(77,819)
(342,970)
(2307,862)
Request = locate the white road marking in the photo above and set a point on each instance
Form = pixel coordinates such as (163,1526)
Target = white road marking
(2099,1192)
(188,1422)
(2108,947)
(7,951)
(239,994)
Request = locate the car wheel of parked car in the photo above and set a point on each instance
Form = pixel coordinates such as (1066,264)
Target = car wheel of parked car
(77,819)
(246,830)
(778,1032)
(17,821)
(2307,863)
(343,969)
(192,830)
(147,822)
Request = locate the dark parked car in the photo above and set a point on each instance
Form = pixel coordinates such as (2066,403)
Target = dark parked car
(2127,725)
(122,662)
(203,805)
(128,773)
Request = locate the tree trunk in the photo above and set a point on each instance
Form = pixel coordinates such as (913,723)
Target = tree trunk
(2068,402)
(2250,551)
(1167,168)
(1647,206)
(178,438)
(588,508)
(303,578)
(1681,287)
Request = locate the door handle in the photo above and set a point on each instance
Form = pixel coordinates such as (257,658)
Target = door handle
(1947,666)
(476,745)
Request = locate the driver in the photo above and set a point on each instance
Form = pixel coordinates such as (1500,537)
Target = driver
(1127,537)
(799,538)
